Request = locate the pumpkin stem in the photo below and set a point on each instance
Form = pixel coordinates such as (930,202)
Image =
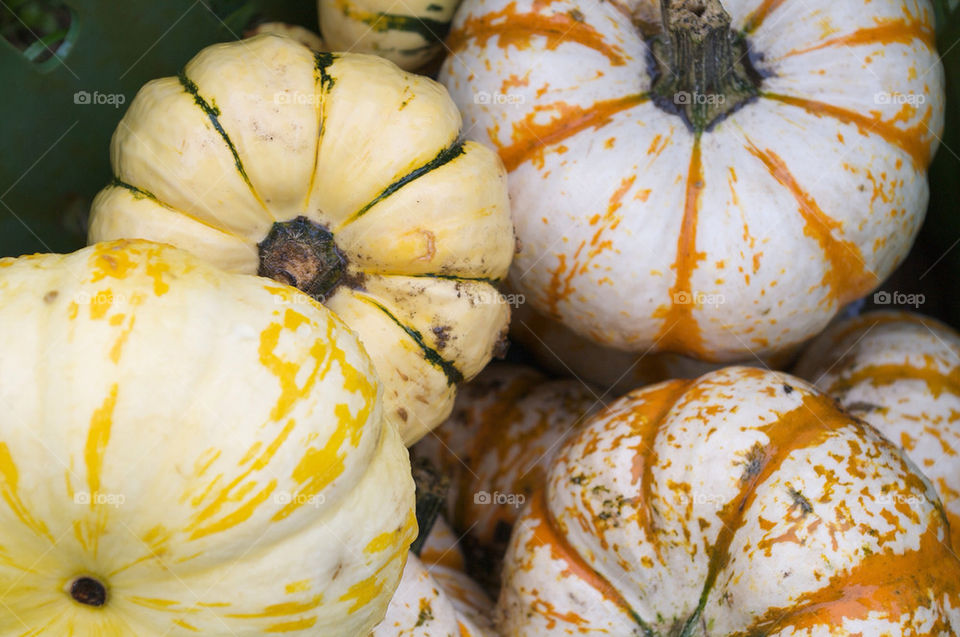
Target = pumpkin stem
(431,497)
(303,254)
(89,591)
(704,72)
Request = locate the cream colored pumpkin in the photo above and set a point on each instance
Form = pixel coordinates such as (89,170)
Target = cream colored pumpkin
(338,173)
(900,372)
(435,597)
(302,35)
(496,447)
(720,212)
(408,33)
(185,451)
(741,503)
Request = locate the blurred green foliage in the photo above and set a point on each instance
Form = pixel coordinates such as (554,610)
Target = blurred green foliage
(68,70)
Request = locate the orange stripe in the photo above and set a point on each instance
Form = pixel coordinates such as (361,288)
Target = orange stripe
(886,32)
(518,29)
(679,330)
(530,138)
(913,141)
(846,277)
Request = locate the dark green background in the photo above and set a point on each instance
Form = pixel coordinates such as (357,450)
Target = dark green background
(117,45)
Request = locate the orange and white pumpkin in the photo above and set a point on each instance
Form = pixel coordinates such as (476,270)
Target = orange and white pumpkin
(712,178)
(436,598)
(185,451)
(741,503)
(339,174)
(495,449)
(901,373)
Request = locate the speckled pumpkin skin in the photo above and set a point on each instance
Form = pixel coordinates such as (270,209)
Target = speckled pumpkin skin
(209,446)
(900,372)
(265,130)
(435,597)
(746,239)
(741,503)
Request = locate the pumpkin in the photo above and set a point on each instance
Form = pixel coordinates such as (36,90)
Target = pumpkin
(435,597)
(341,175)
(710,178)
(900,372)
(187,451)
(744,502)
(495,448)
(409,33)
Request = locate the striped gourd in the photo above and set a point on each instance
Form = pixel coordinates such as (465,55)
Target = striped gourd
(339,174)
(714,178)
(407,33)
(185,451)
(741,503)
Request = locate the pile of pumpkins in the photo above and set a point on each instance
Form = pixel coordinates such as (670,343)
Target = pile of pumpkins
(209,412)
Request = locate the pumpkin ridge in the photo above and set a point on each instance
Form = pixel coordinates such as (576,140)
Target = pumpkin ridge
(213,113)
(545,534)
(790,432)
(322,62)
(847,269)
(445,156)
(678,329)
(116,182)
(882,375)
(431,355)
(912,141)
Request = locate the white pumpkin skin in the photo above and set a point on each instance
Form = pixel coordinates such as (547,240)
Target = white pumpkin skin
(261,132)
(407,33)
(435,597)
(496,448)
(642,235)
(209,446)
(742,503)
(900,372)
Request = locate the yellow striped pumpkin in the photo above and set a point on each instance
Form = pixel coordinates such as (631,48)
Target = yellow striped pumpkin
(741,503)
(407,33)
(339,174)
(185,451)
(900,372)
(714,178)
